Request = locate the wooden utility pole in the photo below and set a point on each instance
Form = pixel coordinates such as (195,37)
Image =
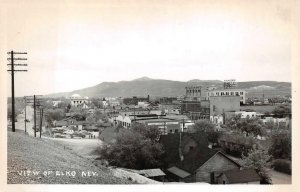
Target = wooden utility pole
(25,113)
(41,121)
(34,115)
(13,70)
(36,103)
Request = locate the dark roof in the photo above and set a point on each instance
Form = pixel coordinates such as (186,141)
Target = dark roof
(180,173)
(170,144)
(195,158)
(241,176)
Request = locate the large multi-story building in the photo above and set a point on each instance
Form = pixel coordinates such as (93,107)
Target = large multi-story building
(195,105)
(228,92)
(193,93)
(230,84)
(221,104)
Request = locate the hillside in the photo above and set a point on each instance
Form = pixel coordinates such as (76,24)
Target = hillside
(27,153)
(158,87)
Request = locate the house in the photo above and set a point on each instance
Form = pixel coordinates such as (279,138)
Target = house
(203,165)
(155,174)
(188,159)
(244,176)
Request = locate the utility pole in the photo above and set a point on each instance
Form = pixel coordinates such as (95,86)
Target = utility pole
(36,103)
(183,124)
(13,70)
(25,113)
(34,115)
(41,121)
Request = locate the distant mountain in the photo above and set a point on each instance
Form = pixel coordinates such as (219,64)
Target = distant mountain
(157,87)
(143,79)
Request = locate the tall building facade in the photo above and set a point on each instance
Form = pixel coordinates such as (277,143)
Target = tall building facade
(194,104)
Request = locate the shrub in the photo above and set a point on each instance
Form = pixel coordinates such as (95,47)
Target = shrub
(282,165)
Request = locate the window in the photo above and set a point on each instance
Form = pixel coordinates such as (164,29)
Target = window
(241,93)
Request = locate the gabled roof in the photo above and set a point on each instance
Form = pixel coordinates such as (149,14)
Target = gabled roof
(198,157)
(195,159)
(170,144)
(241,176)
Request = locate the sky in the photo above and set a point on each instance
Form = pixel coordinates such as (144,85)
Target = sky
(78,44)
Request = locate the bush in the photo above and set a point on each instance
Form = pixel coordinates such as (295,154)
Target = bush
(282,165)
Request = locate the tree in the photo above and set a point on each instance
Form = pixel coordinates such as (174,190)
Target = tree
(282,110)
(281,145)
(208,128)
(150,132)
(203,126)
(249,126)
(54,115)
(259,160)
(135,149)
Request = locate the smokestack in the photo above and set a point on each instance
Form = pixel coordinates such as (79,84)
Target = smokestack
(148,98)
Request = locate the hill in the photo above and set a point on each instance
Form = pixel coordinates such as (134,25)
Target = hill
(158,87)
(27,153)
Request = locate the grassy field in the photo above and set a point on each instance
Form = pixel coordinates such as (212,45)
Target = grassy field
(52,163)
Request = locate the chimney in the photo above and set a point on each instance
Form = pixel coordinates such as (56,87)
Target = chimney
(148,98)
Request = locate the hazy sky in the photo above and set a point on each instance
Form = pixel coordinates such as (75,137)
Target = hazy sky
(77,44)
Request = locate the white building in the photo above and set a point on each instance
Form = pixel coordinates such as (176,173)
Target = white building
(125,121)
(228,92)
(276,121)
(142,104)
(77,100)
(217,119)
(246,114)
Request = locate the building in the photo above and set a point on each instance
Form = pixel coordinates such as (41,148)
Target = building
(195,105)
(188,159)
(193,93)
(77,100)
(134,100)
(196,110)
(167,100)
(222,104)
(165,126)
(228,92)
(125,121)
(230,84)
(244,176)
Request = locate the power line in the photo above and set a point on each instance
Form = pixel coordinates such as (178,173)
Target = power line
(12,70)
